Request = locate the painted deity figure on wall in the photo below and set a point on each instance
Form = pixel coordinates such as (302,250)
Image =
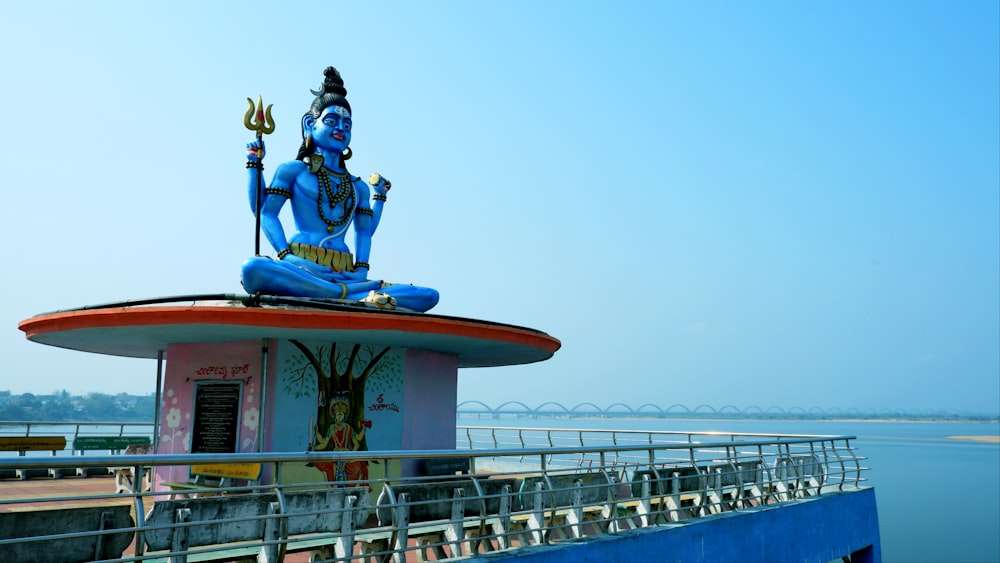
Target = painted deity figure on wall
(326,201)
(339,436)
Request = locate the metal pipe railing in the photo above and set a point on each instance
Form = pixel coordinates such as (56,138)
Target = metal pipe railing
(79,428)
(511,498)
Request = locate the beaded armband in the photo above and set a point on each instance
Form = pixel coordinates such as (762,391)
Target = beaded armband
(365,211)
(255,164)
(360,264)
(283,253)
(283,192)
(380,197)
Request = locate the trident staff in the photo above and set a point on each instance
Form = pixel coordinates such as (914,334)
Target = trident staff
(258,119)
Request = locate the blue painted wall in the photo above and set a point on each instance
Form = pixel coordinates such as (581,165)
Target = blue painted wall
(820,529)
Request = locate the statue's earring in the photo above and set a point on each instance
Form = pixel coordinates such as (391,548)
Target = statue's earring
(347,153)
(309,141)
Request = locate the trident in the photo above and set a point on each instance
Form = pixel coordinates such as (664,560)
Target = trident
(259,119)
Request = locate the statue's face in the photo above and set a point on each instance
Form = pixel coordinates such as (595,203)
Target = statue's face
(332,131)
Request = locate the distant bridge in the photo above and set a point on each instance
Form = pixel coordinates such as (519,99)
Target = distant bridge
(552,409)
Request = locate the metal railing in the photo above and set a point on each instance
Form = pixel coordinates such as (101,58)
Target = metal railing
(73,430)
(515,489)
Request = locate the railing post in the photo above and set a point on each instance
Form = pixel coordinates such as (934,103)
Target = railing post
(401,525)
(270,552)
(857,463)
(840,462)
(140,524)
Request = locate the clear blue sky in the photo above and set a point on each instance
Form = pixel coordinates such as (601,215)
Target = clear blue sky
(747,203)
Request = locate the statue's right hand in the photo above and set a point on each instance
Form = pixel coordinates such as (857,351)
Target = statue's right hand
(255,150)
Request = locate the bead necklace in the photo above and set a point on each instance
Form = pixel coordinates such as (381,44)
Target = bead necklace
(345,194)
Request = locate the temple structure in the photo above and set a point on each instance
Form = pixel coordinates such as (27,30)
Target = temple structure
(318,356)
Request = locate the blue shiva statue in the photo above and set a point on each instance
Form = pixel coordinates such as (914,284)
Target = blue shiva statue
(326,201)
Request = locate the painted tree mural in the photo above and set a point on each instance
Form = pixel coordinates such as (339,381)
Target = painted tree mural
(344,374)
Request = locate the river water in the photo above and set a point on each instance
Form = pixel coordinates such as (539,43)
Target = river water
(938,498)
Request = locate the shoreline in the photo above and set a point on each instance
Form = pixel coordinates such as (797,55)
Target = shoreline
(983,439)
(776,418)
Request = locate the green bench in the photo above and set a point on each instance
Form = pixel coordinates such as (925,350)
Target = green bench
(114,445)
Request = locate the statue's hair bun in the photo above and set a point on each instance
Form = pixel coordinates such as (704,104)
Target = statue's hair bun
(332,83)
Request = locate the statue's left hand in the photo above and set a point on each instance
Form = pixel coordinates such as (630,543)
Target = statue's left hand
(359,275)
(379,183)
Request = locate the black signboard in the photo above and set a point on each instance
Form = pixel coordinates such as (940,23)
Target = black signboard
(216,418)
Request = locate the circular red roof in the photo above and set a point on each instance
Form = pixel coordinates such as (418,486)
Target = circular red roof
(143,331)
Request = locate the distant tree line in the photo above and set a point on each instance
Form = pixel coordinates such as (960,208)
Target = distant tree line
(63,407)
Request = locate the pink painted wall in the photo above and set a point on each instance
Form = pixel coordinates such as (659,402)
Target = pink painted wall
(430,396)
(186,366)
